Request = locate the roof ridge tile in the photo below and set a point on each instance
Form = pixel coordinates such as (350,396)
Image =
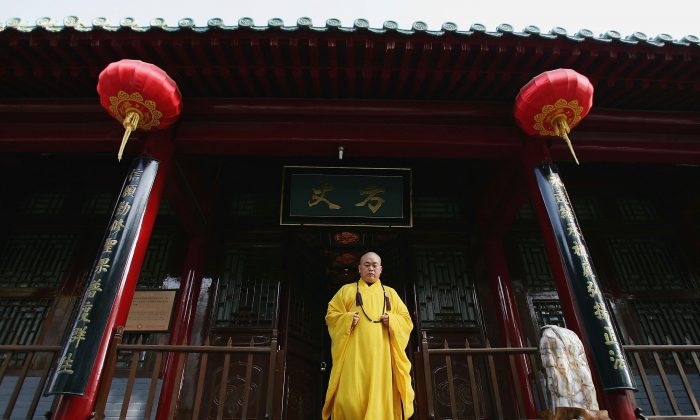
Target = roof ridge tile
(305,23)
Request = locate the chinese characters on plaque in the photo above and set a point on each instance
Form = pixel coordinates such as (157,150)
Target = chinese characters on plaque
(104,281)
(346,196)
(373,200)
(597,322)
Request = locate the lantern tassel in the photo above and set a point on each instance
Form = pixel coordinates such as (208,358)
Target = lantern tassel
(562,130)
(130,123)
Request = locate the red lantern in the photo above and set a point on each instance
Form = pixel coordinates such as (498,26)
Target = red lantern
(553,103)
(139,95)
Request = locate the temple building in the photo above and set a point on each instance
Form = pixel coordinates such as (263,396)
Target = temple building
(191,278)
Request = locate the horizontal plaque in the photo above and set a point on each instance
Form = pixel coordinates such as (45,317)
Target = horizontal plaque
(346,196)
(151,310)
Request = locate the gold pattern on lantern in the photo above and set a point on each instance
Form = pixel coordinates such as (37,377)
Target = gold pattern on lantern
(545,122)
(133,112)
(124,103)
(558,120)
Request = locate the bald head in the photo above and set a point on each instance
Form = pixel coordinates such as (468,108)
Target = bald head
(370,267)
(371,254)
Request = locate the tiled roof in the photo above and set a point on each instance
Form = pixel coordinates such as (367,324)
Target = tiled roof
(357,62)
(304,23)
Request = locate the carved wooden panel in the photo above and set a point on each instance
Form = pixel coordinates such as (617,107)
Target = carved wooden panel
(248,286)
(649,264)
(547,312)
(444,290)
(20,322)
(534,264)
(43,203)
(437,207)
(239,376)
(464,402)
(157,264)
(676,320)
(20,319)
(98,203)
(587,209)
(259,206)
(35,259)
(635,209)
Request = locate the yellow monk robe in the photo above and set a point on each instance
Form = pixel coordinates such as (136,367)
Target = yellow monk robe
(370,376)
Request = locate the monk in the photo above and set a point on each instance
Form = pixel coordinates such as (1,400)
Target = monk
(369,327)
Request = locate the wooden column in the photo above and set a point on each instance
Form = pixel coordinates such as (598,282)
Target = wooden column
(181,328)
(504,197)
(191,195)
(499,280)
(158,146)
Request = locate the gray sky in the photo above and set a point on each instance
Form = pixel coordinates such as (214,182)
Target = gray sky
(678,18)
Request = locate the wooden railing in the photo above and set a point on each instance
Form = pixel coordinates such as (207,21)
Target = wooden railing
(677,368)
(487,387)
(21,362)
(158,352)
(458,382)
(469,397)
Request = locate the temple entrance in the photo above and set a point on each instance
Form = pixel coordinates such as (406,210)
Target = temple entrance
(318,262)
(271,284)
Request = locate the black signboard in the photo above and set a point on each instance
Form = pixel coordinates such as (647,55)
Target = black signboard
(346,196)
(598,328)
(105,281)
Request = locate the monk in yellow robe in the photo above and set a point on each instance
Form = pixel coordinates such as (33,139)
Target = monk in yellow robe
(369,327)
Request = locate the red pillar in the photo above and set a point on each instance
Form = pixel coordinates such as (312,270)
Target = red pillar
(78,407)
(499,279)
(182,324)
(619,403)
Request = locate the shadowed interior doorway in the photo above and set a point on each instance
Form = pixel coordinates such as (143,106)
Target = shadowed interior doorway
(318,262)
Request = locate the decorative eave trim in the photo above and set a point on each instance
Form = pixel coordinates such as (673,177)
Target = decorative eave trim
(359,25)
